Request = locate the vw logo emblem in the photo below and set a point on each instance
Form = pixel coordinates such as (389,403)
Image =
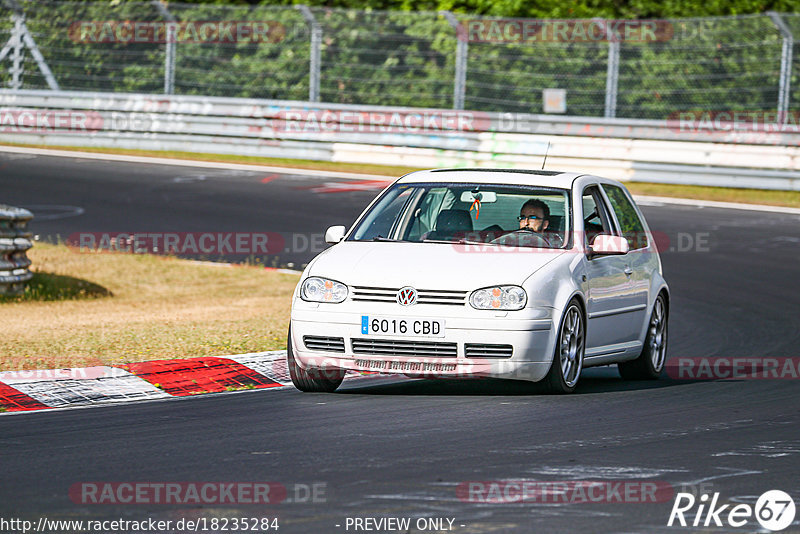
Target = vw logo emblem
(407,296)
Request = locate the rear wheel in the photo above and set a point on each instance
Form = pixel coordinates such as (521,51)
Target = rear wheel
(570,347)
(311,380)
(650,362)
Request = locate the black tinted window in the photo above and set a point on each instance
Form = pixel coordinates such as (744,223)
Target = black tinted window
(630,223)
(595,215)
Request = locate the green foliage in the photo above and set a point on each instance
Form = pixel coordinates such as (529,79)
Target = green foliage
(403,58)
(393,58)
(610,9)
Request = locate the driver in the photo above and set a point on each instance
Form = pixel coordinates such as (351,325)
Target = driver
(534,216)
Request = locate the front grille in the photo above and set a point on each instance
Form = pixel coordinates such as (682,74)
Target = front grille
(393,347)
(328,344)
(424,296)
(478,350)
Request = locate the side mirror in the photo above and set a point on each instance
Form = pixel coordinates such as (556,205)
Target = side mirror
(334,234)
(608,245)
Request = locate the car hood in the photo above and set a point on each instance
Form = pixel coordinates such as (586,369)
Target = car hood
(429,265)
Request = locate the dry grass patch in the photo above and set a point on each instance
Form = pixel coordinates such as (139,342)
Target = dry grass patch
(92,309)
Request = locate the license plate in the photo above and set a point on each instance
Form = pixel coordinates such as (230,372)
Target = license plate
(401,326)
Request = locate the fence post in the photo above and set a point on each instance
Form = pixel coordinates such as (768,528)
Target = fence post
(460,82)
(786,66)
(171,39)
(316,45)
(16,53)
(612,78)
(21,37)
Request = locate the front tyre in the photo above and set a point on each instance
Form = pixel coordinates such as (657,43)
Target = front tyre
(570,347)
(311,380)
(651,361)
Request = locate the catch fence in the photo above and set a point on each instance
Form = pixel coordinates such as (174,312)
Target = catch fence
(651,69)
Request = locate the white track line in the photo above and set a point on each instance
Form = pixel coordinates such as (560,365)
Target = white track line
(716,204)
(347,175)
(191,163)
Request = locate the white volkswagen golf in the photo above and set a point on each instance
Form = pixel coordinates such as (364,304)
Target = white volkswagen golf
(526,275)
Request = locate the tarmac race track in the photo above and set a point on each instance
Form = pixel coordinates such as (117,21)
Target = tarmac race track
(411,448)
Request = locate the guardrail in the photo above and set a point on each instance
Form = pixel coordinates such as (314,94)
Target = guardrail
(723,154)
(14,242)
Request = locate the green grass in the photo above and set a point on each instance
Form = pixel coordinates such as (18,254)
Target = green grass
(721,194)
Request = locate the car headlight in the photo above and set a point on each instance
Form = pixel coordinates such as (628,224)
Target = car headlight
(316,289)
(499,298)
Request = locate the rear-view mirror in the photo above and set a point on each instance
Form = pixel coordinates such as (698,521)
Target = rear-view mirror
(481,196)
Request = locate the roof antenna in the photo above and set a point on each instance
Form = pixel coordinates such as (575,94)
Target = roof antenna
(545,155)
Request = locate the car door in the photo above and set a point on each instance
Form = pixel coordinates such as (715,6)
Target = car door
(609,293)
(638,261)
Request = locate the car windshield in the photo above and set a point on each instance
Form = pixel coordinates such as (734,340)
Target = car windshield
(502,215)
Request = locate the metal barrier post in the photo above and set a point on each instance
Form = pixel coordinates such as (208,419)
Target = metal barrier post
(16,53)
(316,45)
(786,66)
(460,82)
(171,38)
(612,77)
(22,37)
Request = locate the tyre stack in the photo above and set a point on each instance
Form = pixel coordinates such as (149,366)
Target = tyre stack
(15,240)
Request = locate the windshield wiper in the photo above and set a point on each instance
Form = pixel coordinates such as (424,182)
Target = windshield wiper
(381,238)
(457,242)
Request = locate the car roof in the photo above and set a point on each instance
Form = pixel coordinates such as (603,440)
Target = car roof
(545,178)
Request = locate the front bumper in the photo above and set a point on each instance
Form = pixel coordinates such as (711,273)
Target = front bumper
(530,333)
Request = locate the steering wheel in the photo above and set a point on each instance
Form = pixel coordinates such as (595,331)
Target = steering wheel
(555,239)
(523,235)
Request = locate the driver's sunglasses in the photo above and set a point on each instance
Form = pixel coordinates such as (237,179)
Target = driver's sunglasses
(530,217)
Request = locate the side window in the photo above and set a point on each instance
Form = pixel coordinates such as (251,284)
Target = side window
(629,221)
(424,218)
(381,219)
(595,216)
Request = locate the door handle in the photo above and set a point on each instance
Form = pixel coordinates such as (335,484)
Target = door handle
(628,271)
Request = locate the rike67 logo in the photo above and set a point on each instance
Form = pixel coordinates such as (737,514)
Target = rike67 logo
(774,510)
